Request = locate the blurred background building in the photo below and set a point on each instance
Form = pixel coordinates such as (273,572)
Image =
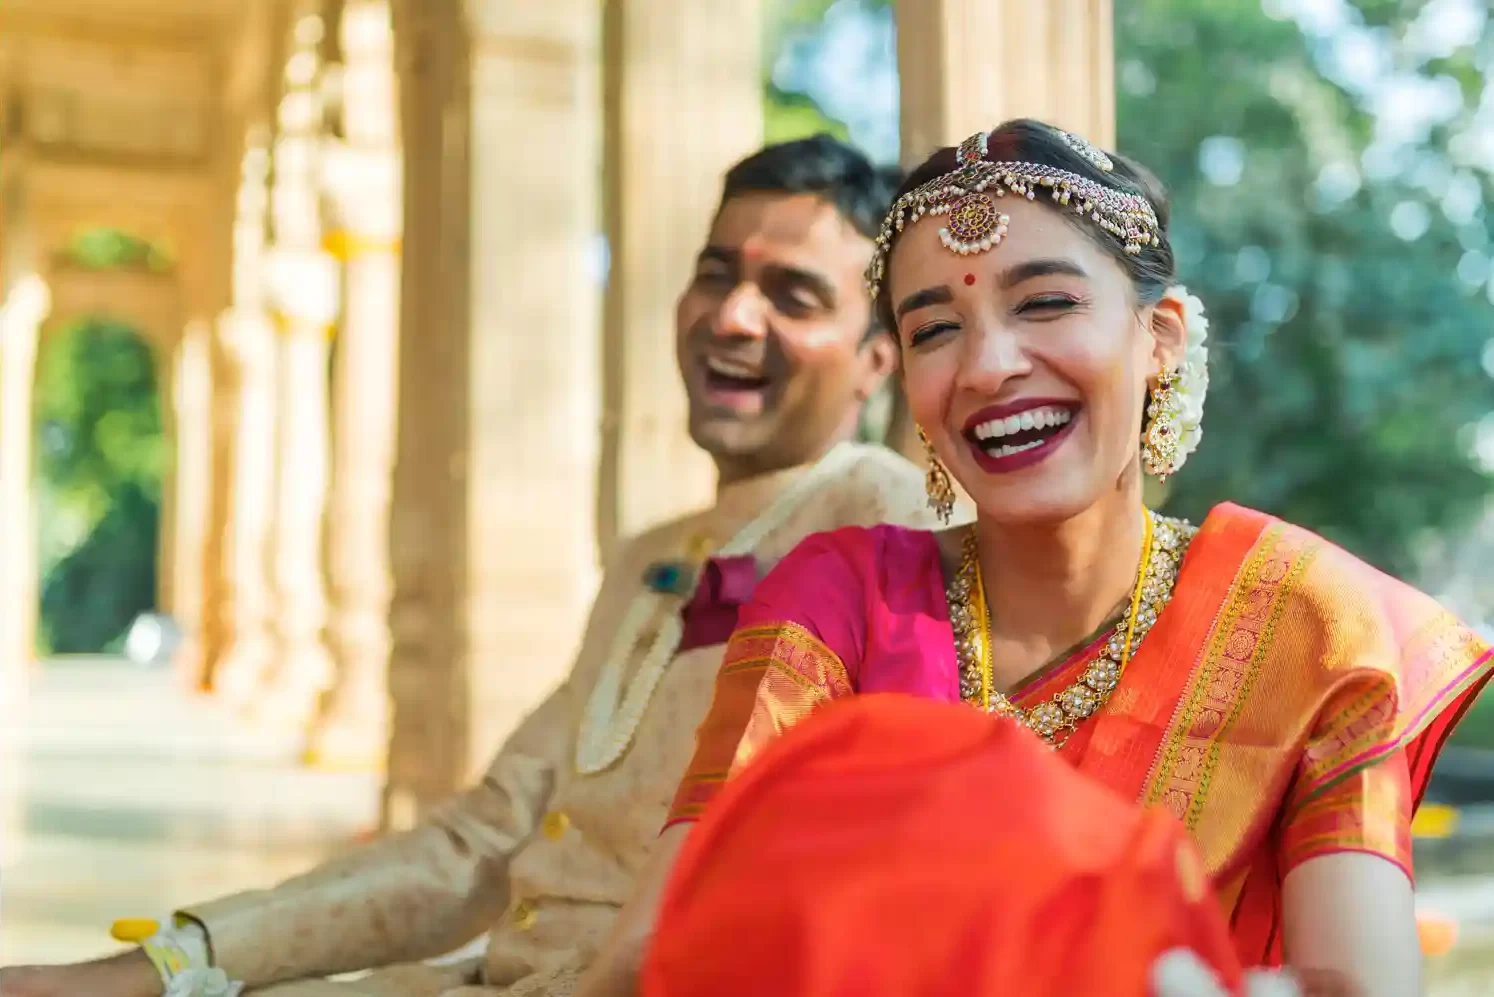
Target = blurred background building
(336,344)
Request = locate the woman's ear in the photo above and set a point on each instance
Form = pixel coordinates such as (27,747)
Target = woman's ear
(1169,328)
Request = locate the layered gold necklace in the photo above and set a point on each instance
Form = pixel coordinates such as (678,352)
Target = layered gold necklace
(1165,541)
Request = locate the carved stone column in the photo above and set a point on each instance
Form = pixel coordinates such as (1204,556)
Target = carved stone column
(186,402)
(23,308)
(691,71)
(244,404)
(491,538)
(236,636)
(363,177)
(966,65)
(303,286)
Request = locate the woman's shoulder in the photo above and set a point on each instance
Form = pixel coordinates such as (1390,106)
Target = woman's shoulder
(1346,619)
(849,565)
(1300,562)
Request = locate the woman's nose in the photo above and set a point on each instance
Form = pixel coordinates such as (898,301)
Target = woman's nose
(993,356)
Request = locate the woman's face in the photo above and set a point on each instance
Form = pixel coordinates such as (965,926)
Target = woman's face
(1027,365)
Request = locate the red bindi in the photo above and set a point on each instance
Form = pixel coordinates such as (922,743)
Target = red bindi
(970,278)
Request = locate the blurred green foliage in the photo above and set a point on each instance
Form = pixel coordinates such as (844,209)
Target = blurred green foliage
(789,115)
(111,249)
(1346,361)
(101,455)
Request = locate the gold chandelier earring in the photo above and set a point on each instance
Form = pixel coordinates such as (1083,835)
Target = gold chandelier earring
(1159,444)
(937,482)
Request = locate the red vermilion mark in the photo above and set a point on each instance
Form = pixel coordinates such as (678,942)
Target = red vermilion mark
(970,278)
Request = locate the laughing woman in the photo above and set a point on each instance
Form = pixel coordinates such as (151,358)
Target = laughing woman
(1282,699)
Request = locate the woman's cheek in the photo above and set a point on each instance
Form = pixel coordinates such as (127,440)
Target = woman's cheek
(926,389)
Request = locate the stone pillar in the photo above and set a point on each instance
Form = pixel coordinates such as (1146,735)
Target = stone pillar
(186,395)
(244,499)
(163,355)
(23,308)
(303,287)
(363,178)
(491,541)
(236,638)
(684,101)
(965,65)
(303,665)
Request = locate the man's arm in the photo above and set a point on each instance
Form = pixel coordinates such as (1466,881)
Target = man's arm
(432,889)
(409,896)
(406,897)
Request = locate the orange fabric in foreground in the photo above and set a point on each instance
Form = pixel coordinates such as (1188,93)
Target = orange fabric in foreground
(897,846)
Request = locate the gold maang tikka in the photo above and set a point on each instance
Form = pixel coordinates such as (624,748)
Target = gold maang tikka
(968,195)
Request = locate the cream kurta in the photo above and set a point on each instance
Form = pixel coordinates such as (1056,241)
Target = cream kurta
(536,854)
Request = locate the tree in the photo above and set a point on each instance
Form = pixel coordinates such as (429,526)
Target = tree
(101,456)
(807,79)
(1342,255)
(1348,320)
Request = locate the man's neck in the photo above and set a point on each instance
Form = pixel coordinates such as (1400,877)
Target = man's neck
(733,472)
(1056,583)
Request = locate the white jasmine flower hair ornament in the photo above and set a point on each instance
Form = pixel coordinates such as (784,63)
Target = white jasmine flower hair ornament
(1176,425)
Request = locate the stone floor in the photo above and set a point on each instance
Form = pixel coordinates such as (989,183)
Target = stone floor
(122,796)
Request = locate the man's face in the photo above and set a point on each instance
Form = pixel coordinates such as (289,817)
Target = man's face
(772,338)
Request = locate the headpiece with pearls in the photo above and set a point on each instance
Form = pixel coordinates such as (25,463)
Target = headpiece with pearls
(976,225)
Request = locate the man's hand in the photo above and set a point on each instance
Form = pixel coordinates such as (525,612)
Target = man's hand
(127,975)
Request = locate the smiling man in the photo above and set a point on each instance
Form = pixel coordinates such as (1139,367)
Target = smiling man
(779,352)
(772,383)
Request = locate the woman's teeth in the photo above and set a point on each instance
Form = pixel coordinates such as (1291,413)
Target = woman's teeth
(1023,431)
(1032,419)
(1006,450)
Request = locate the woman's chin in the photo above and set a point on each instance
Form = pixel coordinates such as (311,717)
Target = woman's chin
(1068,483)
(1047,495)
(1025,505)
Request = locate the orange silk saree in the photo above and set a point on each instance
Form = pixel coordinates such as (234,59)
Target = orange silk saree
(1289,702)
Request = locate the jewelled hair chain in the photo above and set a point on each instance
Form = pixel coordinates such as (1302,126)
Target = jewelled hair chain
(975,223)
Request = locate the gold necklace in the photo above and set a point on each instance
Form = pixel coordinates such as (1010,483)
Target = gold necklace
(1165,542)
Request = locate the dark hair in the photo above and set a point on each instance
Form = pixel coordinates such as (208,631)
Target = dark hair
(824,166)
(1027,141)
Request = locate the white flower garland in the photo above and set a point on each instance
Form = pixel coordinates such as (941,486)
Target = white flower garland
(1192,384)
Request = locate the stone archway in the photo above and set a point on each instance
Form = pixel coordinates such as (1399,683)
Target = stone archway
(122,275)
(122,272)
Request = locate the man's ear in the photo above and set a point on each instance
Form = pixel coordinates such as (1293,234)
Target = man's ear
(1169,328)
(879,358)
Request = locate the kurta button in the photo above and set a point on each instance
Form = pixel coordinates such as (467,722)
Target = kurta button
(555,825)
(524,916)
